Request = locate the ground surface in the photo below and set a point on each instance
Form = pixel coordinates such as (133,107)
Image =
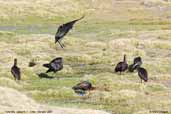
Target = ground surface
(10,103)
(97,43)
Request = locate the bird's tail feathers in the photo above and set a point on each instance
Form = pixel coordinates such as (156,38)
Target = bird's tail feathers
(116,70)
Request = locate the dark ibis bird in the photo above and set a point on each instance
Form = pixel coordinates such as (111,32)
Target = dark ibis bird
(64,29)
(55,65)
(16,70)
(82,87)
(137,61)
(142,73)
(121,66)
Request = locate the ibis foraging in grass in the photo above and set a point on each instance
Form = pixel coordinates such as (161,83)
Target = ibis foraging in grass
(55,65)
(142,73)
(16,70)
(82,87)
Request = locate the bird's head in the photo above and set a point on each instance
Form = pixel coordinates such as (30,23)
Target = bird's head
(15,61)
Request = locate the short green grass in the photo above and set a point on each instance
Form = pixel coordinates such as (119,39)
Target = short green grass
(93,48)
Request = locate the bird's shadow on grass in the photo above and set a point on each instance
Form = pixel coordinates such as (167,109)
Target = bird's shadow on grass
(44,75)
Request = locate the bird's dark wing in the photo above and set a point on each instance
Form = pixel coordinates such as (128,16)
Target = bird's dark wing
(143,71)
(143,74)
(57,60)
(13,72)
(61,32)
(85,85)
(124,66)
(53,66)
(16,72)
(64,29)
(71,23)
(118,66)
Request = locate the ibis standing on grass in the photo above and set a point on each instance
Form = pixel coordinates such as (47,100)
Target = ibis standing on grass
(55,65)
(16,71)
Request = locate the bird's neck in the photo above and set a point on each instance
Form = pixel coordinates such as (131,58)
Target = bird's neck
(124,59)
(15,63)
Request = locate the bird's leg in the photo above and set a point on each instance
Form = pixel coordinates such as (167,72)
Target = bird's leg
(60,44)
(120,73)
(141,81)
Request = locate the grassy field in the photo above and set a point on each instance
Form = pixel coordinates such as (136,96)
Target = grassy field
(97,43)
